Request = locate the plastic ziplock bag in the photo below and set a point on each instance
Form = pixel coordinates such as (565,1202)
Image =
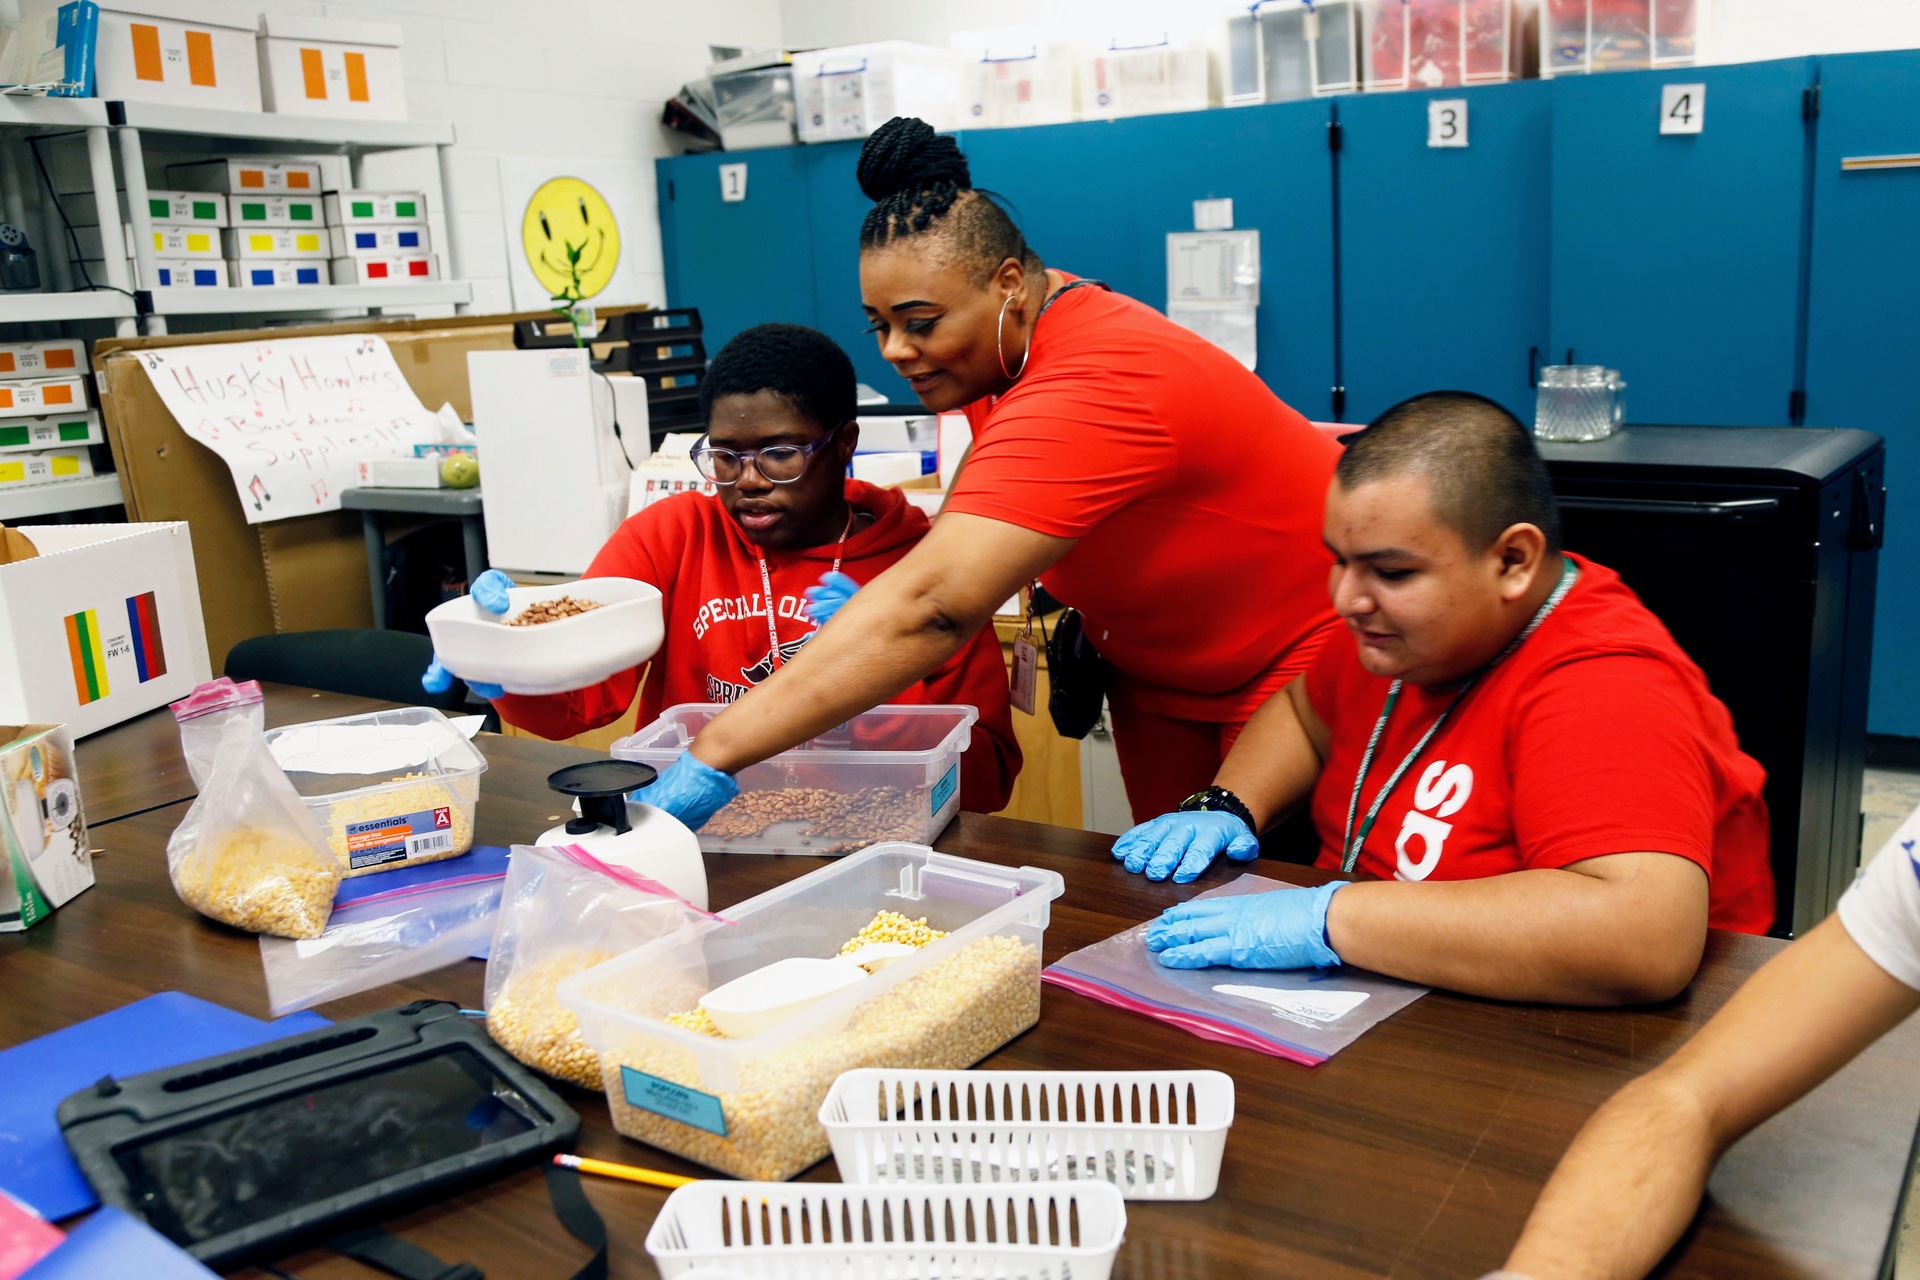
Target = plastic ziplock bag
(1303,1015)
(383,939)
(564,911)
(247,853)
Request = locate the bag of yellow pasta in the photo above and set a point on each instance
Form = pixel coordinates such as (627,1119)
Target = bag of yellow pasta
(248,853)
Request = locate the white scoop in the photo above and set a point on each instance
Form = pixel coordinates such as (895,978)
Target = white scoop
(773,993)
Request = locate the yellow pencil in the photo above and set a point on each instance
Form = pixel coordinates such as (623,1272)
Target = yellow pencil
(630,1173)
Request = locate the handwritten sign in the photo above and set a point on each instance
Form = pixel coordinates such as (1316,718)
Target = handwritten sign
(293,418)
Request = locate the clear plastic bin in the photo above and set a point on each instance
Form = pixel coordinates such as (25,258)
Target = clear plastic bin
(1011,78)
(850,91)
(755,108)
(1131,76)
(1435,44)
(1582,36)
(1290,49)
(750,1107)
(892,773)
(390,789)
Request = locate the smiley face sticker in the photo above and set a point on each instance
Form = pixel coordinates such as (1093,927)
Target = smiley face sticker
(564,214)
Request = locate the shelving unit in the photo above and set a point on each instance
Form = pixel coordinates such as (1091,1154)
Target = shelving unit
(53,117)
(250,133)
(38,500)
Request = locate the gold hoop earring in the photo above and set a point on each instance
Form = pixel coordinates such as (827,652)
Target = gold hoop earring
(999,346)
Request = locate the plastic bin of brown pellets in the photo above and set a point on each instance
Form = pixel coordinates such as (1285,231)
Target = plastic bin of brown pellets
(892,773)
(750,1107)
(390,789)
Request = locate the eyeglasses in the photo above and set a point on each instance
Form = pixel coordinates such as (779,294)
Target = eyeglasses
(778,463)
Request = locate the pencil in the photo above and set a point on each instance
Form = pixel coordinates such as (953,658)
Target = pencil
(630,1173)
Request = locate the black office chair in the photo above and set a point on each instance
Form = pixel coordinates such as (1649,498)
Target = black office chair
(370,664)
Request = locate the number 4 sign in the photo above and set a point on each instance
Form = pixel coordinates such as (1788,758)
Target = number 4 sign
(1683,108)
(1447,122)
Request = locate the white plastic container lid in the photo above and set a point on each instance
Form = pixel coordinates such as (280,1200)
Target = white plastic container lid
(328,760)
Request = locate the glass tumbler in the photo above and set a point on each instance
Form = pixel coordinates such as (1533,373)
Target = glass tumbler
(1578,402)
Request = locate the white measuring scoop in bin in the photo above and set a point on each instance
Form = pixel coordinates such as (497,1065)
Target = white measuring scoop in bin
(773,993)
(551,657)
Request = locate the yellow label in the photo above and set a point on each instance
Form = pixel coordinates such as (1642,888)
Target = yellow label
(307,244)
(260,244)
(65,465)
(12,472)
(199,244)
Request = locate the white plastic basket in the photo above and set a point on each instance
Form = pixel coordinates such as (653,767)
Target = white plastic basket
(1156,1135)
(798,1231)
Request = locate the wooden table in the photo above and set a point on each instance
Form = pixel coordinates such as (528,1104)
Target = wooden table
(1416,1152)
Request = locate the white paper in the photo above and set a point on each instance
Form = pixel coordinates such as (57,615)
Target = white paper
(467,725)
(1213,266)
(1231,326)
(360,749)
(294,418)
(1213,215)
(1310,1008)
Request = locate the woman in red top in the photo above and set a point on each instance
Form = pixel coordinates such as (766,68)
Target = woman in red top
(777,526)
(1136,469)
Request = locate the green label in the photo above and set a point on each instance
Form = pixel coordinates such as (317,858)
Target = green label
(13,435)
(300,212)
(363,208)
(253,213)
(404,209)
(157,208)
(206,209)
(75,431)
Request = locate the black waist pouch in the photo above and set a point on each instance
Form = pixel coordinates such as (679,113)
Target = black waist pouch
(1077,676)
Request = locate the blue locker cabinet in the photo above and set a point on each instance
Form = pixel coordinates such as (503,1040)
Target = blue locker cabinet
(1444,249)
(838,207)
(1676,257)
(1863,328)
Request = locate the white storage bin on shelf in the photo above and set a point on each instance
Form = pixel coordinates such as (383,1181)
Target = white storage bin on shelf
(1156,1135)
(327,67)
(850,91)
(188,52)
(1582,36)
(1016,77)
(1052,1231)
(1144,75)
(750,1106)
(1435,44)
(892,773)
(1285,50)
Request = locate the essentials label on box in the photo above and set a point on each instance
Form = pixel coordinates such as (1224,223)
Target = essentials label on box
(943,790)
(674,1101)
(378,841)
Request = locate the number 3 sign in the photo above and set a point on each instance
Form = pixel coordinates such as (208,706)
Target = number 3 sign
(1683,108)
(1447,122)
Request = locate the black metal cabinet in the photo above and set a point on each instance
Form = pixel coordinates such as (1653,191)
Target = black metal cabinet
(1758,547)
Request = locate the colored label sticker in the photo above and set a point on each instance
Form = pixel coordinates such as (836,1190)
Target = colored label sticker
(146,51)
(300,212)
(363,208)
(376,271)
(307,275)
(313,73)
(75,432)
(206,276)
(157,208)
(366,240)
(200,59)
(674,1101)
(378,841)
(299,179)
(404,209)
(260,244)
(206,209)
(200,243)
(262,275)
(408,239)
(253,179)
(253,213)
(307,244)
(943,790)
(356,77)
(419,268)
(12,437)
(60,358)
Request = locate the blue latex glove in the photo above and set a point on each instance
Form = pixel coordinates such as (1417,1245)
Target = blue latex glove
(489,591)
(689,790)
(824,601)
(1185,844)
(1285,929)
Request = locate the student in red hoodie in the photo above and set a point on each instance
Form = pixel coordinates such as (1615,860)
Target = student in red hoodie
(779,402)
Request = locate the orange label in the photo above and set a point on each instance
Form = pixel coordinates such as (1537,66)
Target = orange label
(57,395)
(6,398)
(146,52)
(252,178)
(59,358)
(314,73)
(299,179)
(6,362)
(357,77)
(200,58)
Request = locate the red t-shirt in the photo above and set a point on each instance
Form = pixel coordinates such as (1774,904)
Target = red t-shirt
(1598,735)
(716,645)
(1196,496)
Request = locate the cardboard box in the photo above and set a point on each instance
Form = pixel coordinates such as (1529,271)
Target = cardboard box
(50,359)
(102,625)
(37,399)
(273,273)
(182,273)
(164,208)
(403,241)
(47,858)
(378,271)
(51,466)
(70,430)
(326,67)
(168,242)
(374,208)
(400,473)
(245,177)
(189,52)
(275,211)
(246,243)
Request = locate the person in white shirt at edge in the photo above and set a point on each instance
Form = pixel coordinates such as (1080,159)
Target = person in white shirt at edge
(1631,1181)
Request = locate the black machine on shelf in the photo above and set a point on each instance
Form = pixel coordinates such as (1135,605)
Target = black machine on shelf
(1758,547)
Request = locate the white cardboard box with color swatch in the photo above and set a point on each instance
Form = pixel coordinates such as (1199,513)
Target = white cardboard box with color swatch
(102,624)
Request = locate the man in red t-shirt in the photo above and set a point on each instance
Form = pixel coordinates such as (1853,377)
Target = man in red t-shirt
(1556,805)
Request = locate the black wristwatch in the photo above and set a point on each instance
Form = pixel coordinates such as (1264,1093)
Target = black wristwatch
(1219,800)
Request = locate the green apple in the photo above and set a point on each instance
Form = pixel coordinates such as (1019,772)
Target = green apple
(459,471)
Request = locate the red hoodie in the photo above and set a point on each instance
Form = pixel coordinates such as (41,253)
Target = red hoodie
(716,645)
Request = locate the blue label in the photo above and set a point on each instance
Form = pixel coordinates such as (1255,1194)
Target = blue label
(262,275)
(365,240)
(203,277)
(943,790)
(166,276)
(409,239)
(308,275)
(674,1101)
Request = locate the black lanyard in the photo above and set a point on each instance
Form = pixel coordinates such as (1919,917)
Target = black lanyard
(1350,843)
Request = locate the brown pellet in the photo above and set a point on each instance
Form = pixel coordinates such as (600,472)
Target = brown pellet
(842,821)
(542,611)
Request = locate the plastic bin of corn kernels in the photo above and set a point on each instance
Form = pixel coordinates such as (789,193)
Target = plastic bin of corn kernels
(750,1107)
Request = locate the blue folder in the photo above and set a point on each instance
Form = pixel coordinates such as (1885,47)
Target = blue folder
(114,1244)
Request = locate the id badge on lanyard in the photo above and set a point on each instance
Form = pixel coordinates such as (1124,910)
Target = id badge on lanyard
(1026,665)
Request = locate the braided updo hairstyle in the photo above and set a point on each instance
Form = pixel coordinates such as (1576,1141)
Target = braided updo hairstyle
(920,185)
